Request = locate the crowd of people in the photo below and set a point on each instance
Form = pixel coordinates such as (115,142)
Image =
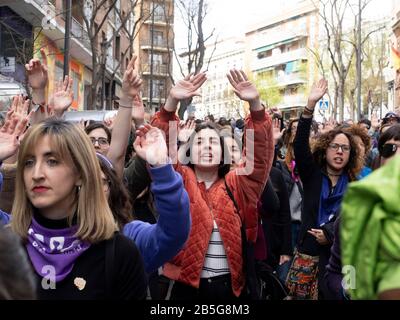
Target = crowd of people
(158,208)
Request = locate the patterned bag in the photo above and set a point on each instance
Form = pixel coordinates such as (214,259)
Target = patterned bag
(302,279)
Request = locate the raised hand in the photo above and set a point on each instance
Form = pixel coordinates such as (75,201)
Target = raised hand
(277,133)
(20,108)
(109,122)
(186,130)
(329,125)
(12,132)
(131,83)
(138,111)
(62,97)
(188,87)
(150,145)
(318,90)
(38,72)
(375,122)
(243,88)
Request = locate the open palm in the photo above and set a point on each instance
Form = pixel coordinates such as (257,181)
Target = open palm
(63,96)
(243,88)
(150,145)
(188,87)
(10,134)
(318,90)
(38,72)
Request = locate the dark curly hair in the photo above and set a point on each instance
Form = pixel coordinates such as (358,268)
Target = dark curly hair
(320,145)
(358,130)
(223,167)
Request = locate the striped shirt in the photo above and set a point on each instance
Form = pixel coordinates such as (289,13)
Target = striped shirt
(216,262)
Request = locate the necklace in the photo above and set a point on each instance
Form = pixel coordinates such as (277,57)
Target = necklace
(334,175)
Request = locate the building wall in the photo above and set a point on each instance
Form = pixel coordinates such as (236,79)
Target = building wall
(162,51)
(55,61)
(280,49)
(218,98)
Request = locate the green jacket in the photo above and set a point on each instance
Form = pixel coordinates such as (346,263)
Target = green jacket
(370,232)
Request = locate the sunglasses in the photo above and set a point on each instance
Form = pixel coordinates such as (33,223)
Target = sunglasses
(388,150)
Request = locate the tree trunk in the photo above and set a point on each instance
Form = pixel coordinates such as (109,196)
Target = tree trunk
(341,100)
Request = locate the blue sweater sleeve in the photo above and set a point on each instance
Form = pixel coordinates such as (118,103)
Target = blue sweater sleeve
(160,242)
(4,217)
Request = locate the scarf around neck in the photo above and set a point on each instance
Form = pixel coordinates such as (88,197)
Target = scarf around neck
(330,200)
(54,249)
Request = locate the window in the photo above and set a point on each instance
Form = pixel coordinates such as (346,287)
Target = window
(117,47)
(76,77)
(159,11)
(158,38)
(157,59)
(158,89)
(59,71)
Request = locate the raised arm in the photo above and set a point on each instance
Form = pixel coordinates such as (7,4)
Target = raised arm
(248,181)
(131,85)
(160,242)
(38,80)
(62,98)
(183,89)
(301,144)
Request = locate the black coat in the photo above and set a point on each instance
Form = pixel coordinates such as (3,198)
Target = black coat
(311,176)
(275,212)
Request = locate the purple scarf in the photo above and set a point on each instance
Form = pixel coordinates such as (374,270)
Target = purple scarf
(57,248)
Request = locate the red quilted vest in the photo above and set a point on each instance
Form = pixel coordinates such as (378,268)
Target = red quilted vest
(214,203)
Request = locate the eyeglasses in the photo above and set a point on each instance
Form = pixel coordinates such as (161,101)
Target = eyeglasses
(100,141)
(388,150)
(345,148)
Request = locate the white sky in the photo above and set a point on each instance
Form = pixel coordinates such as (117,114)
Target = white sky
(233,17)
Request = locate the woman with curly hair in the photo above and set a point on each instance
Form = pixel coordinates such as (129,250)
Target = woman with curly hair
(325,171)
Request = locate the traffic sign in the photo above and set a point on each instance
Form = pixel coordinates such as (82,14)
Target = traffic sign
(324,104)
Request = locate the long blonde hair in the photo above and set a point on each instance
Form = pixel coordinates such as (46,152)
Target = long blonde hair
(70,143)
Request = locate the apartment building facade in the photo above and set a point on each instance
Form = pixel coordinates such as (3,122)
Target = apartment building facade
(218,98)
(44,26)
(154,46)
(280,49)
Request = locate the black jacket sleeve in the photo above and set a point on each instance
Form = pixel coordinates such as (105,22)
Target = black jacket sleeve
(130,277)
(302,150)
(137,177)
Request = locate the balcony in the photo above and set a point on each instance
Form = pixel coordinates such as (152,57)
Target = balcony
(290,79)
(158,45)
(160,20)
(278,59)
(290,101)
(80,34)
(158,69)
(34,13)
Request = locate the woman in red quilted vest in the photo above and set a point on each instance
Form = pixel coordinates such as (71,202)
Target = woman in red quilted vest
(210,265)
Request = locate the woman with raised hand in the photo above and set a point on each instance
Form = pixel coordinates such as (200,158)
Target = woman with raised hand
(325,171)
(70,233)
(210,266)
(161,241)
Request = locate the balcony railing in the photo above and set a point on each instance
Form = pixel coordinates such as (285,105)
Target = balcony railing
(158,69)
(157,43)
(293,101)
(280,58)
(80,34)
(288,79)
